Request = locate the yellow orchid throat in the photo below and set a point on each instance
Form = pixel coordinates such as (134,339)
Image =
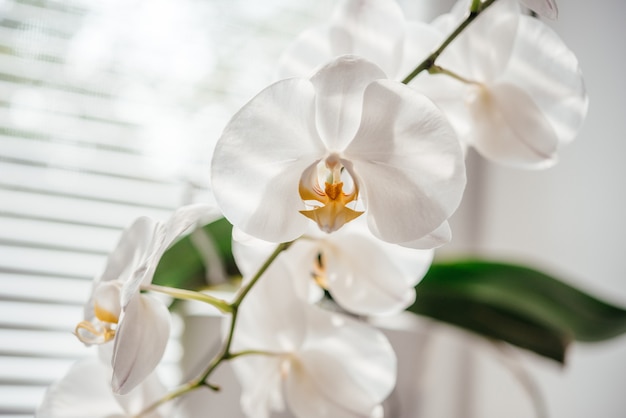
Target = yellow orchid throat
(333,213)
(90,333)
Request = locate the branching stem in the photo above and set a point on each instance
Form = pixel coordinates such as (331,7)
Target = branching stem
(224,353)
(476,9)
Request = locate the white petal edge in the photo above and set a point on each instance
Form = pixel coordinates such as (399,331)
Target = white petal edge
(440,236)
(165,234)
(486,45)
(372,29)
(140,341)
(134,245)
(260,156)
(409,162)
(271,317)
(420,40)
(510,129)
(260,380)
(548,71)
(367,276)
(310,51)
(84,392)
(361,376)
(339,88)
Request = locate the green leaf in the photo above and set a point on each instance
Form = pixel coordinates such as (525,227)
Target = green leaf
(516,304)
(182,266)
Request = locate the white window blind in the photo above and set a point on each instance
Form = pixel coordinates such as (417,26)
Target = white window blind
(108,111)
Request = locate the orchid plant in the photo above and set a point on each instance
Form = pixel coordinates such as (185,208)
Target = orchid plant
(338,180)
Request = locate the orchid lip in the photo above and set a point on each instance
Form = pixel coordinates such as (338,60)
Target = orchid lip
(90,333)
(329,208)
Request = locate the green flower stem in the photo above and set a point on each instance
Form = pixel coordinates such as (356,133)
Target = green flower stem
(220,304)
(429,62)
(251,353)
(436,69)
(224,353)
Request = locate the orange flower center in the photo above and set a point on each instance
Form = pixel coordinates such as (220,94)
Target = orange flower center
(330,211)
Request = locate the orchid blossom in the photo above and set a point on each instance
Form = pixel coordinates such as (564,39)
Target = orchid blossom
(137,323)
(330,148)
(516,101)
(85,392)
(320,363)
(373,29)
(364,275)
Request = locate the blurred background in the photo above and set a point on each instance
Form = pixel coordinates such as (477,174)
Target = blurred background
(109,110)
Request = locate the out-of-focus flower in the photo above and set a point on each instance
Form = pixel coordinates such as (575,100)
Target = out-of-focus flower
(327,149)
(545,8)
(518,93)
(85,392)
(364,275)
(138,323)
(320,363)
(373,29)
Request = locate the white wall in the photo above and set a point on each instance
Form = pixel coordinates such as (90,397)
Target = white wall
(569,220)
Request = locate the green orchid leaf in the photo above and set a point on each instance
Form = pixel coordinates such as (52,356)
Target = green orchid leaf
(516,304)
(182,265)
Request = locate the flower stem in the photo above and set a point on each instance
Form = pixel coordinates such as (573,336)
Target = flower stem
(224,353)
(436,69)
(251,353)
(429,62)
(220,304)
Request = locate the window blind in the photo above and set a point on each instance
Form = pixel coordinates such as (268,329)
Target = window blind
(108,111)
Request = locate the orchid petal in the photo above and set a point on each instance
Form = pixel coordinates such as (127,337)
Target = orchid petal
(409,162)
(250,253)
(346,367)
(440,236)
(164,235)
(133,246)
(511,129)
(106,299)
(367,276)
(271,318)
(420,40)
(548,71)
(258,161)
(140,341)
(546,8)
(486,45)
(181,220)
(306,54)
(84,392)
(373,29)
(306,399)
(449,95)
(260,378)
(147,393)
(339,95)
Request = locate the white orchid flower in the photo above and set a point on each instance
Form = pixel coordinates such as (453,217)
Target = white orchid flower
(364,275)
(373,29)
(85,392)
(137,323)
(518,94)
(327,149)
(320,363)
